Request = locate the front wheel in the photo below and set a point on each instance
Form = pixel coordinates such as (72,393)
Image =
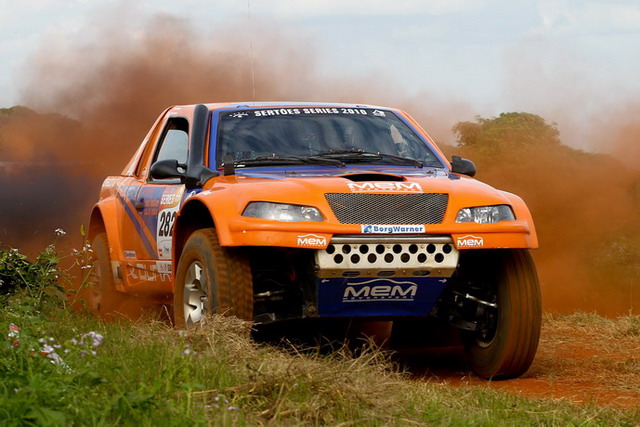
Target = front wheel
(509,321)
(211,279)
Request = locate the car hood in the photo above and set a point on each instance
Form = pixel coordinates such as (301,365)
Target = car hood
(297,172)
(308,185)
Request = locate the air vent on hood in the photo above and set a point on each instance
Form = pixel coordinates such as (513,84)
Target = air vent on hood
(362,177)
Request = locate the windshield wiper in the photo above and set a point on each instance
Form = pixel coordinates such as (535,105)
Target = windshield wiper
(287,159)
(356,155)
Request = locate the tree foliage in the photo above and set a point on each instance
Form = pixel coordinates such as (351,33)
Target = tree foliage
(507,130)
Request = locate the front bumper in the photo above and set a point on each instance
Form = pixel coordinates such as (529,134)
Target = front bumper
(378,276)
(242,231)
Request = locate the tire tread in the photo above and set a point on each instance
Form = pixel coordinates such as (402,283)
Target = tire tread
(230,274)
(511,353)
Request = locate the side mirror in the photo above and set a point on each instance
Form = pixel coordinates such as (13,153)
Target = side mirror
(163,169)
(462,166)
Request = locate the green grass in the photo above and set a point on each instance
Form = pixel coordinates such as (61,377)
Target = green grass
(150,374)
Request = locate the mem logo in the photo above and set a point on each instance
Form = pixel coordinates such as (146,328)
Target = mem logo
(311,240)
(470,241)
(380,290)
(385,187)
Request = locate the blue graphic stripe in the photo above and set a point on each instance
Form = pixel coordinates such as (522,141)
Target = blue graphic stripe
(148,246)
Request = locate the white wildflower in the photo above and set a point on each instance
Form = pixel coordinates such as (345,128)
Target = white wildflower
(14,331)
(95,337)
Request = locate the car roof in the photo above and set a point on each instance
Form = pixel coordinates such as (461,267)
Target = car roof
(275,104)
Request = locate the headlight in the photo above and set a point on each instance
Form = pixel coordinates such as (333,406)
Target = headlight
(282,212)
(485,214)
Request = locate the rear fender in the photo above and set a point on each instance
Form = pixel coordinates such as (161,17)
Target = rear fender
(103,218)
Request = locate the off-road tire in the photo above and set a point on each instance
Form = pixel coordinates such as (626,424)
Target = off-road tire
(223,284)
(509,351)
(103,292)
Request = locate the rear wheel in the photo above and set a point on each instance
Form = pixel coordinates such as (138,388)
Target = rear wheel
(509,317)
(104,290)
(211,279)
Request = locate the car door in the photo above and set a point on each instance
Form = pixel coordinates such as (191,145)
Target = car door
(154,204)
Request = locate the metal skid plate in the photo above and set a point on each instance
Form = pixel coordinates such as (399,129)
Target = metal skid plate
(386,256)
(382,296)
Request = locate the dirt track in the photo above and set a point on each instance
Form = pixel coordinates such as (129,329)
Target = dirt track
(583,359)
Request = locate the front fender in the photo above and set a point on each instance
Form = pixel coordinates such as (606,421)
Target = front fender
(522,213)
(221,207)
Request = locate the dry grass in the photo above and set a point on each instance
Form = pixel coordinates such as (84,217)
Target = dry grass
(595,325)
(289,384)
(583,359)
(147,373)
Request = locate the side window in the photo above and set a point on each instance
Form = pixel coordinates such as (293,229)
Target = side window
(175,141)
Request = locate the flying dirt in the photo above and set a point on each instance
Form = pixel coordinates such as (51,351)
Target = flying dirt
(95,100)
(90,122)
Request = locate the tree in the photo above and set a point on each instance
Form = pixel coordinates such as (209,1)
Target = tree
(507,130)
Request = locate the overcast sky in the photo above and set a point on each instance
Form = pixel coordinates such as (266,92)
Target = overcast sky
(540,56)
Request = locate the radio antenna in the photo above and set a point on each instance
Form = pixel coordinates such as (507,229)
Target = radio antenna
(253,72)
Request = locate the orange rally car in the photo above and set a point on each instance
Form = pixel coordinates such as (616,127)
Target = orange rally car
(279,211)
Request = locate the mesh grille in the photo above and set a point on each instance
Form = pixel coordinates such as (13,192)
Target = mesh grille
(421,208)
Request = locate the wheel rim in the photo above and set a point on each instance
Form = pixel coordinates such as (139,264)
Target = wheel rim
(488,317)
(488,327)
(195,294)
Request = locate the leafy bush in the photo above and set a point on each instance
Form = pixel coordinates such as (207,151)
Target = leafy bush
(508,129)
(32,286)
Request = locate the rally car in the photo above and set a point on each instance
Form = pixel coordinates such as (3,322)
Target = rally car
(279,211)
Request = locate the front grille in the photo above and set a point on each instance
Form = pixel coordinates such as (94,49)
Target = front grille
(423,208)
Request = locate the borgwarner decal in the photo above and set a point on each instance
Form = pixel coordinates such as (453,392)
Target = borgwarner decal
(385,187)
(391,229)
(469,241)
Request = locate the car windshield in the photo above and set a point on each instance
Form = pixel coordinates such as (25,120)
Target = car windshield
(329,135)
